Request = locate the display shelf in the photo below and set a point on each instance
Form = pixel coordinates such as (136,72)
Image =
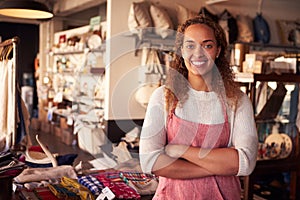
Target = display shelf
(263,46)
(101,49)
(150,40)
(271,166)
(243,77)
(78,70)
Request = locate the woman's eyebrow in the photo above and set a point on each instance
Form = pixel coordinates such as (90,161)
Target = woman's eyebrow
(190,41)
(205,41)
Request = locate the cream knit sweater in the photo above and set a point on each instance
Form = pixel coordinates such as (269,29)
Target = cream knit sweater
(201,107)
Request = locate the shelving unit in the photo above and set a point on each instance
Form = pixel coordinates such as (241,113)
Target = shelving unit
(77,80)
(269,166)
(78,68)
(276,165)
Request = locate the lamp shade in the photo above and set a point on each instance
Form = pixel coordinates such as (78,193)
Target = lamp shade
(25,9)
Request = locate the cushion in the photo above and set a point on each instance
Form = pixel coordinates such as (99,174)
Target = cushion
(289,31)
(184,13)
(245,27)
(261,29)
(161,21)
(207,14)
(229,24)
(139,16)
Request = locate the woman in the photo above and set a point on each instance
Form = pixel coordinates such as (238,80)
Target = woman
(199,132)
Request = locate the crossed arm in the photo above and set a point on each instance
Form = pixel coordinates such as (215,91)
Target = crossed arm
(184,162)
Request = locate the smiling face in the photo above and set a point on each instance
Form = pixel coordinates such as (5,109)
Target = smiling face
(199,50)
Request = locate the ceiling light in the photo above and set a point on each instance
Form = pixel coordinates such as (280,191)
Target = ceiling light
(28,9)
(209,2)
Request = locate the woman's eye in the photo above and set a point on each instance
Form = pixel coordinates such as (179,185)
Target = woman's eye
(208,46)
(190,46)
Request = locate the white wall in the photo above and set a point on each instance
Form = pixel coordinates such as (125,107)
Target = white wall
(122,65)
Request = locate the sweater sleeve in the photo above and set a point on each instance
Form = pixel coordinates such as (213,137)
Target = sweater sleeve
(244,136)
(153,134)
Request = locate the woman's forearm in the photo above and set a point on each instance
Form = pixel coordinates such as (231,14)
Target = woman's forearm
(178,168)
(219,161)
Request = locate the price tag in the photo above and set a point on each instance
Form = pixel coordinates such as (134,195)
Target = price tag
(108,193)
(94,21)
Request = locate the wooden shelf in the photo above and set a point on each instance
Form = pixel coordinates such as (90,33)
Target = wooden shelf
(271,46)
(87,50)
(151,40)
(295,78)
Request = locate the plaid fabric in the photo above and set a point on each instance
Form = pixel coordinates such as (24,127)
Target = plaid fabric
(92,183)
(127,176)
(136,176)
(117,182)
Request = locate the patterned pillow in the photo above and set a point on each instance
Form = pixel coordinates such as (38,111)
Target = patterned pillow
(139,16)
(184,13)
(161,21)
(245,27)
(289,31)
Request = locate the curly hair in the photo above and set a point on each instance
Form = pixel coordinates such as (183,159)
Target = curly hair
(223,83)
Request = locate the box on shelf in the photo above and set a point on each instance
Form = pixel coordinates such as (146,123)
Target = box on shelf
(63,123)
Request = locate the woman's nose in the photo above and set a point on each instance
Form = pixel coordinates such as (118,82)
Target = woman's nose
(199,51)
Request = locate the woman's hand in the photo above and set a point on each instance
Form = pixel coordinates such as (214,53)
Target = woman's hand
(176,150)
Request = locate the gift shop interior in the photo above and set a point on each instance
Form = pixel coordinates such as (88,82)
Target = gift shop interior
(76,81)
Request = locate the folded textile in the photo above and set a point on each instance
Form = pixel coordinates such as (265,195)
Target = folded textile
(40,184)
(147,187)
(62,193)
(28,194)
(119,188)
(67,159)
(144,184)
(44,193)
(11,167)
(137,176)
(74,186)
(92,183)
(40,174)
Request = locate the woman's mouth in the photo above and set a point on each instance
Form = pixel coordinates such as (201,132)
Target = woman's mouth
(198,63)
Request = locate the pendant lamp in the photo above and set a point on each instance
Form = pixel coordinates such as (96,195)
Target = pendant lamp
(27,9)
(210,2)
